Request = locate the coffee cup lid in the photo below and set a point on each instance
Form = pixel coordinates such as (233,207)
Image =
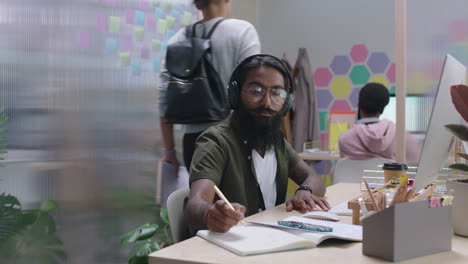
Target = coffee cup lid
(395,166)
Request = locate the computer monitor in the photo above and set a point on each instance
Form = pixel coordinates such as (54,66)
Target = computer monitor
(415,119)
(438,141)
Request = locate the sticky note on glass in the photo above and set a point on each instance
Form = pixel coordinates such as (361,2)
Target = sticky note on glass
(140,18)
(154,3)
(335,130)
(170,33)
(83,39)
(139,33)
(156,65)
(111,3)
(156,44)
(163,48)
(144,4)
(158,13)
(150,23)
(126,42)
(101,22)
(145,53)
(166,5)
(111,45)
(170,21)
(114,24)
(136,68)
(162,26)
(129,16)
(175,13)
(187,19)
(124,59)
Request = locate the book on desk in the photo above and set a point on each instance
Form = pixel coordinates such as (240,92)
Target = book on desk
(267,237)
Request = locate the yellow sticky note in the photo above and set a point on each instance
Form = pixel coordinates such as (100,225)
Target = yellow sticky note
(156,44)
(162,26)
(124,59)
(139,33)
(187,18)
(166,5)
(170,21)
(114,24)
(335,130)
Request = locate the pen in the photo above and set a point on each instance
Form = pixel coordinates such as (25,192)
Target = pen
(305,226)
(221,195)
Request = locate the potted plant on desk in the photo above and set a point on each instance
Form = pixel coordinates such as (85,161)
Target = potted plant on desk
(459,186)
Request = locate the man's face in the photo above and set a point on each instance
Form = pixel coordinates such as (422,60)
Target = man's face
(263,93)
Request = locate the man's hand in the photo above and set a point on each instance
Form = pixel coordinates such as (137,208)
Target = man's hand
(220,217)
(171,157)
(304,201)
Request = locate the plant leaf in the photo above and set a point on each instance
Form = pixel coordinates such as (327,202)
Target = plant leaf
(49,205)
(140,233)
(459,166)
(163,215)
(459,95)
(140,254)
(460,131)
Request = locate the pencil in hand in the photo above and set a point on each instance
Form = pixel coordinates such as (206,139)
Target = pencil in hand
(221,195)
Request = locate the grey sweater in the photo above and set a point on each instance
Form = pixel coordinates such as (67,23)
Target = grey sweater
(232,41)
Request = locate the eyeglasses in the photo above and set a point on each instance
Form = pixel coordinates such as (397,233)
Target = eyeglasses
(257,93)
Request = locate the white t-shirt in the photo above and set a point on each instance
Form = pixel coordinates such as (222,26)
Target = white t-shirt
(232,41)
(265,169)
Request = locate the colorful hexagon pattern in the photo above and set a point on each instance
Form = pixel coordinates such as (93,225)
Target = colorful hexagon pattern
(322,77)
(380,79)
(359,53)
(359,75)
(378,62)
(354,97)
(340,64)
(391,74)
(324,98)
(340,87)
(340,105)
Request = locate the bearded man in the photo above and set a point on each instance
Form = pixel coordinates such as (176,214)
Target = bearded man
(247,156)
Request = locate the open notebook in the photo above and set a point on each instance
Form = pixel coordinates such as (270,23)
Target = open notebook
(266,237)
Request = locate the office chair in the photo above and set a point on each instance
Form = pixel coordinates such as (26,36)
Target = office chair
(175,211)
(346,170)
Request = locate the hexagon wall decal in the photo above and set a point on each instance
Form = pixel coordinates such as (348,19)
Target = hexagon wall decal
(418,83)
(322,77)
(340,64)
(378,62)
(391,73)
(380,79)
(354,97)
(359,53)
(324,98)
(340,87)
(340,105)
(359,75)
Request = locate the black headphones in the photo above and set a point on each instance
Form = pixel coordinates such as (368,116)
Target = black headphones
(234,89)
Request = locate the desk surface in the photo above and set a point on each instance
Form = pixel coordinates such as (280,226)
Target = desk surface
(306,156)
(198,250)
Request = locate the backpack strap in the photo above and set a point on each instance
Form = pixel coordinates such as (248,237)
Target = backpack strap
(213,28)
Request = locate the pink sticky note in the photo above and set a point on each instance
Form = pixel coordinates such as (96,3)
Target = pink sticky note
(129,16)
(144,4)
(150,22)
(83,39)
(101,22)
(127,43)
(111,3)
(145,52)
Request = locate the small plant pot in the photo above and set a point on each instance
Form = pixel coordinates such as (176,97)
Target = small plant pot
(459,189)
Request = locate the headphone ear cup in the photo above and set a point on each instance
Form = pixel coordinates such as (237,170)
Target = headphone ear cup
(287,104)
(233,94)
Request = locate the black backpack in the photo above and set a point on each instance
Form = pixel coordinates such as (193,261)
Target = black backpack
(195,93)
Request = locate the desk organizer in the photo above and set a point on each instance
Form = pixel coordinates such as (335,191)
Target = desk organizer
(407,230)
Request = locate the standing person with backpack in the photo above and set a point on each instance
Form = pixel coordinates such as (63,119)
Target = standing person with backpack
(230,40)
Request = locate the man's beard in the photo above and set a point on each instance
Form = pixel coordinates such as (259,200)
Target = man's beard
(261,132)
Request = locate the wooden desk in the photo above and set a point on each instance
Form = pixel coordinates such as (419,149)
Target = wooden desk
(306,156)
(198,250)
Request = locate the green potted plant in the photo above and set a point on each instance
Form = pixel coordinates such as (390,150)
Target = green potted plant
(459,185)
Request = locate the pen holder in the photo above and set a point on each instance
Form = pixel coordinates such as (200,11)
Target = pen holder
(407,230)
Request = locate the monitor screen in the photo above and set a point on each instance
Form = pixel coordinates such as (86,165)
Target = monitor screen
(416,105)
(438,140)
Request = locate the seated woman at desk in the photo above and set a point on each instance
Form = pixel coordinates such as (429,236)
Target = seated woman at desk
(372,137)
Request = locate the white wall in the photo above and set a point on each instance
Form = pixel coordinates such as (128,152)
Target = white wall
(325,28)
(245,9)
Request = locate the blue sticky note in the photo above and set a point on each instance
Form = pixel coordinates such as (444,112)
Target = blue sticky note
(170,33)
(175,13)
(156,65)
(140,18)
(136,68)
(163,48)
(111,45)
(158,13)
